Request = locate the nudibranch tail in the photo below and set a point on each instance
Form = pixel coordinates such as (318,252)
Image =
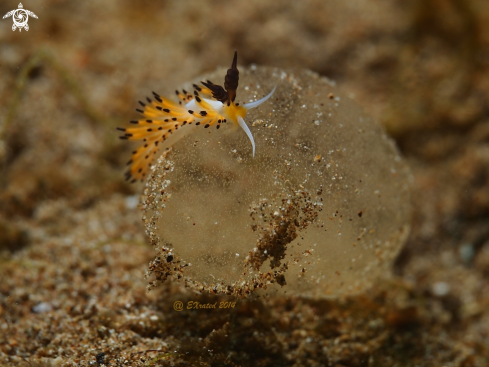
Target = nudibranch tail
(164,122)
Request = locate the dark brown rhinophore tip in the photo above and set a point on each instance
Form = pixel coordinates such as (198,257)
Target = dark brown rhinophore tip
(232,78)
(218,92)
(235,61)
(228,93)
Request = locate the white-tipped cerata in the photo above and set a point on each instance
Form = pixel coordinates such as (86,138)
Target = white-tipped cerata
(260,101)
(245,127)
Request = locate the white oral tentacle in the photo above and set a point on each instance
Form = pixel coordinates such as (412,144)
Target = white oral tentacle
(245,127)
(260,101)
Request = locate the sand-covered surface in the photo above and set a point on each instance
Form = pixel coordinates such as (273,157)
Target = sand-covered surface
(73,251)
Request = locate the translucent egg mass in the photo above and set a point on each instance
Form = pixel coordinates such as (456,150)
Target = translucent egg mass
(322,209)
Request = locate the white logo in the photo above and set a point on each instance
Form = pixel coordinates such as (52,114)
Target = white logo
(20,17)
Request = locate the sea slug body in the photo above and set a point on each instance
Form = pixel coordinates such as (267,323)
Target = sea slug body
(165,122)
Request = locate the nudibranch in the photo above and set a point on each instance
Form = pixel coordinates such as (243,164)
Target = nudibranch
(165,122)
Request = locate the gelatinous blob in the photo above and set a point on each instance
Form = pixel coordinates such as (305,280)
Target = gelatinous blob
(321,209)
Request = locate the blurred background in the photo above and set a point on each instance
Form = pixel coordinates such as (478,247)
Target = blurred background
(420,67)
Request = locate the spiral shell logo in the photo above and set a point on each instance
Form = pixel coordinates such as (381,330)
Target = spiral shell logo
(20,17)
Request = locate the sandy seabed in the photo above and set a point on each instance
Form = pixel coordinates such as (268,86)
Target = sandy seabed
(73,252)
